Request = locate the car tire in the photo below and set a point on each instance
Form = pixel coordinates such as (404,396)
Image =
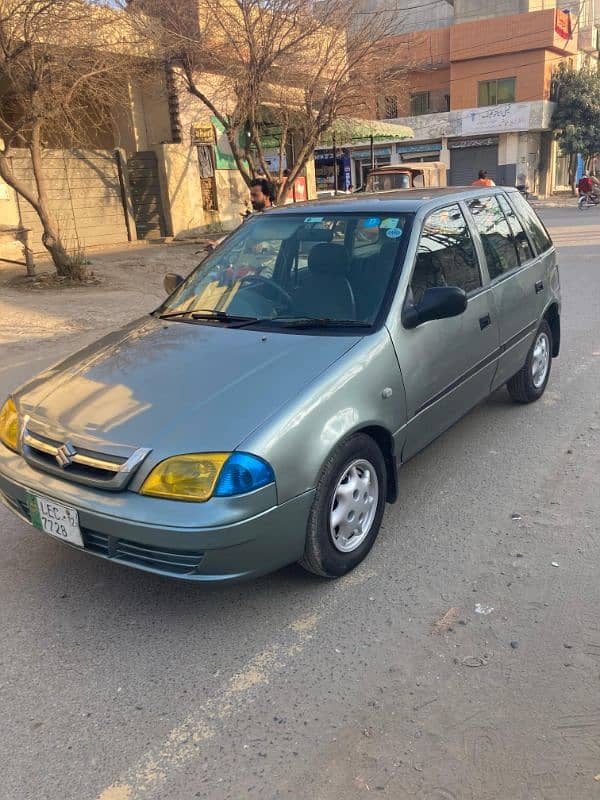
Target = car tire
(529,384)
(348,507)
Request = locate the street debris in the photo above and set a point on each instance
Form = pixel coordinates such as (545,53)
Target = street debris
(447,621)
(474,661)
(515,645)
(597,778)
(481,609)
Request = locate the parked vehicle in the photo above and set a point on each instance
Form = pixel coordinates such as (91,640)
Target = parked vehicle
(260,416)
(417,175)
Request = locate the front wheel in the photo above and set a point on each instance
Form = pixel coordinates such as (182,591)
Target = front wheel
(530,382)
(348,508)
(584,202)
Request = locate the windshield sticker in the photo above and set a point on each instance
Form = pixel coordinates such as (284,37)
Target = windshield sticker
(390,222)
(372,222)
(393,233)
(314,219)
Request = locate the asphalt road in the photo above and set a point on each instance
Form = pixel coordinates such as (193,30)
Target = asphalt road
(118,685)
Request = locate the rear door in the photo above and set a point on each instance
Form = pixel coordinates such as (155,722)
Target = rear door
(447,365)
(519,279)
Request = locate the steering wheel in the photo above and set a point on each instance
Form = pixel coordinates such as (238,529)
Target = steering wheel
(270,284)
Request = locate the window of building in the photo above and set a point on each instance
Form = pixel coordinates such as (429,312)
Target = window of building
(493,93)
(497,237)
(419,103)
(390,107)
(446,255)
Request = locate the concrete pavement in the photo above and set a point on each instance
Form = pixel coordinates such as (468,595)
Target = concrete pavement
(119,686)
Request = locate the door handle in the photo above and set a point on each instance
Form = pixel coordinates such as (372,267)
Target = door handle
(539,287)
(485,321)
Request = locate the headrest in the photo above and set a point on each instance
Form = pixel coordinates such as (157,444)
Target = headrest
(328,259)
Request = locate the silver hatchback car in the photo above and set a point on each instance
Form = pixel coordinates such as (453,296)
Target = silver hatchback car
(260,416)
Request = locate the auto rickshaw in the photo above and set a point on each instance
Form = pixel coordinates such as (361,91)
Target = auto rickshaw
(410,175)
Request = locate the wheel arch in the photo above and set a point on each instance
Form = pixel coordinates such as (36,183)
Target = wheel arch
(552,317)
(385,441)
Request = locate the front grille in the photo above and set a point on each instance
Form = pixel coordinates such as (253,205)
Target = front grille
(162,559)
(178,562)
(76,461)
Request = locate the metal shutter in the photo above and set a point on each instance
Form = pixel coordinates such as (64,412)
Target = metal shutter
(466,162)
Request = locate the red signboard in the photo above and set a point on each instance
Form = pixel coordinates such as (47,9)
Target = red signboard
(298,192)
(562,24)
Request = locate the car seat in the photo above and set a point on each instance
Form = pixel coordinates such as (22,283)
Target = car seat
(326,292)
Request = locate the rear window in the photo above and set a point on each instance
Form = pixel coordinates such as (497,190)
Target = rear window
(388,182)
(532,223)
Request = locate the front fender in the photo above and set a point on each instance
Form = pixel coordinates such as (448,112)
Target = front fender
(363,389)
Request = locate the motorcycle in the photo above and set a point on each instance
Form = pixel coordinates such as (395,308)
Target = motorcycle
(587,200)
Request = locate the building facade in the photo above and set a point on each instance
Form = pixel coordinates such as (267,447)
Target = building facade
(479,88)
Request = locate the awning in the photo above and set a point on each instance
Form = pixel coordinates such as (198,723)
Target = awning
(349,131)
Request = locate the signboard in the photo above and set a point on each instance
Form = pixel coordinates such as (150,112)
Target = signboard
(426,147)
(496,119)
(300,193)
(490,141)
(223,156)
(562,24)
(202,133)
(379,151)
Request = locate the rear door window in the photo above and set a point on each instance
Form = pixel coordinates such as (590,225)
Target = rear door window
(446,254)
(524,251)
(498,240)
(532,223)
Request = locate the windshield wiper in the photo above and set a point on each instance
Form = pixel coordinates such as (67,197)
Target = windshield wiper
(206,313)
(304,322)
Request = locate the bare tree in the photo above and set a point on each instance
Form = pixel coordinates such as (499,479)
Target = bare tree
(286,65)
(62,70)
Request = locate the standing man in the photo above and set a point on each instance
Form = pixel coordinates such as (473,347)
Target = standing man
(482,179)
(262,194)
(262,197)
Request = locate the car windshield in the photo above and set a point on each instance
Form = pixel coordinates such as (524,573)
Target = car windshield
(388,182)
(280,268)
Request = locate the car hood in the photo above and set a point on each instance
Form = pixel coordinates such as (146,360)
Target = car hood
(177,387)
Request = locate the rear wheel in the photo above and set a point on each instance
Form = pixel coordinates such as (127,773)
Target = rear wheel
(529,384)
(348,508)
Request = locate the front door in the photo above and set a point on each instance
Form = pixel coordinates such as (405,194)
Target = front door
(447,365)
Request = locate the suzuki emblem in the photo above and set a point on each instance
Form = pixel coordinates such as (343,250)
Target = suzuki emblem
(64,455)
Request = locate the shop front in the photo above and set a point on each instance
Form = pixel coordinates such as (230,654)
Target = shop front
(425,151)
(351,148)
(328,165)
(469,156)
(362,162)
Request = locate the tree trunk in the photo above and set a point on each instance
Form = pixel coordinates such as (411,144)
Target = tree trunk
(63,262)
(573,173)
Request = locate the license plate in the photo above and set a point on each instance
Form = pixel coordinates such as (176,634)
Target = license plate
(54,518)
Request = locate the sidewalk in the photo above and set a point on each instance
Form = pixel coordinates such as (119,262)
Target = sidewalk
(563,200)
(130,284)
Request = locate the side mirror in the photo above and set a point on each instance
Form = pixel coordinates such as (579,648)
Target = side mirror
(437,303)
(171,281)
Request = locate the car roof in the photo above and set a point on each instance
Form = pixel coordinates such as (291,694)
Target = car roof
(404,201)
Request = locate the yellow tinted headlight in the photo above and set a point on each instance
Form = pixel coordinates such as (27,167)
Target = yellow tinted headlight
(189,477)
(9,425)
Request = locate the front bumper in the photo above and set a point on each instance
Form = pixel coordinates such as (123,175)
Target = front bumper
(223,539)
